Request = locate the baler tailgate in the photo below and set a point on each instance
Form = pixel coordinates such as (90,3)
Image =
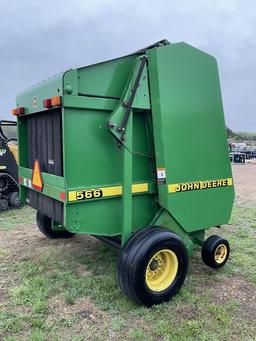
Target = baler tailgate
(189,119)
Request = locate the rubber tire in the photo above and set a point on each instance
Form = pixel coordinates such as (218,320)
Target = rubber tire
(3,205)
(3,184)
(44,224)
(209,248)
(14,200)
(134,258)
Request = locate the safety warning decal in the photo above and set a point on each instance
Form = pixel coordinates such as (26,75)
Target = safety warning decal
(161,176)
(37,180)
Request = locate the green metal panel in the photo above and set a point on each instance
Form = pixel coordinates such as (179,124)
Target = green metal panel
(70,82)
(84,102)
(94,160)
(142,99)
(104,217)
(164,219)
(92,155)
(32,98)
(53,185)
(105,79)
(139,101)
(189,134)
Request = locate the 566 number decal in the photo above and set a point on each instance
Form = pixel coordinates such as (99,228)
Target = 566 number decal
(89,194)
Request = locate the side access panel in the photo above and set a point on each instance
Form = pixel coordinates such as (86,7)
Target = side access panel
(93,160)
(190,137)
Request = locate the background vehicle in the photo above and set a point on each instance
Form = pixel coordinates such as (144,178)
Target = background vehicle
(9,196)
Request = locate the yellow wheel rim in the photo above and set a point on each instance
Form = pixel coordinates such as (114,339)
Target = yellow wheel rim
(161,270)
(221,253)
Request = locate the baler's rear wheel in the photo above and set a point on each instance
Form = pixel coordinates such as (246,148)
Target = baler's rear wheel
(152,266)
(44,224)
(215,252)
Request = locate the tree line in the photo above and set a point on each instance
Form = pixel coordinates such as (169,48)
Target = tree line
(241,135)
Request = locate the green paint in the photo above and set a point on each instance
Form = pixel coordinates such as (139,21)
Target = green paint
(164,219)
(188,118)
(105,79)
(32,98)
(53,185)
(84,102)
(141,101)
(176,122)
(127,184)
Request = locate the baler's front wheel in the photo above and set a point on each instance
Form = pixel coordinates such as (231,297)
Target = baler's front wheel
(152,266)
(215,252)
(44,224)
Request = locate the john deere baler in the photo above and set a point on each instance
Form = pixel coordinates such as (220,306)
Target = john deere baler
(133,151)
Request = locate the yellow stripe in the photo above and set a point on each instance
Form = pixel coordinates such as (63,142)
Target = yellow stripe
(111,191)
(137,188)
(72,196)
(199,185)
(172,188)
(230,182)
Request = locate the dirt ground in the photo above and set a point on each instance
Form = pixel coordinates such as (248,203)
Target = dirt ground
(245,184)
(210,307)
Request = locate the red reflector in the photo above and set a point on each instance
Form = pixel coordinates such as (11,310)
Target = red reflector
(63,196)
(47,103)
(20,179)
(20,111)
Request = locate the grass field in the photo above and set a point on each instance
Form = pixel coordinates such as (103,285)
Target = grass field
(67,290)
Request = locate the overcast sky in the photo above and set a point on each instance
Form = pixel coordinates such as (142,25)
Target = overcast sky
(41,38)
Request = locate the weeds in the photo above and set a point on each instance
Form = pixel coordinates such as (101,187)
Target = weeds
(90,304)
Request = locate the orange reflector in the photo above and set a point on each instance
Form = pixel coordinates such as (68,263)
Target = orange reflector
(18,111)
(37,180)
(56,101)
